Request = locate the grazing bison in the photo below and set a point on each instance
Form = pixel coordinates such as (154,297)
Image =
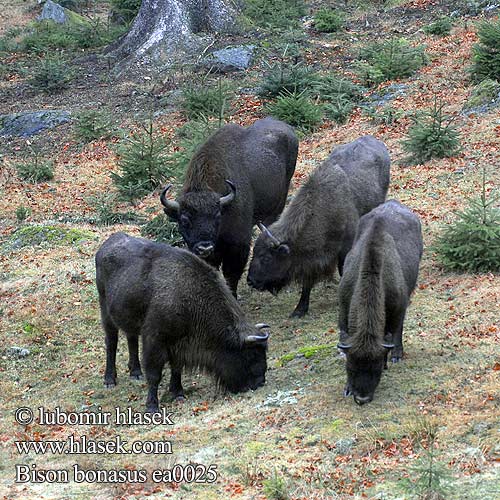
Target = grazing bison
(256,163)
(184,312)
(380,273)
(315,232)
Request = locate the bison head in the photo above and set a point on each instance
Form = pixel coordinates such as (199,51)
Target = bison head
(364,369)
(198,214)
(244,368)
(271,263)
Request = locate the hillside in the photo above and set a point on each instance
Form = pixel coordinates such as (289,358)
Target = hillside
(436,413)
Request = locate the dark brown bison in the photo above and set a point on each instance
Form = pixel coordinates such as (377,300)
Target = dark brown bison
(238,177)
(380,273)
(315,232)
(184,312)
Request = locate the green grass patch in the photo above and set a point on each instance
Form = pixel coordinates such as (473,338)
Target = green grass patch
(277,14)
(31,236)
(307,352)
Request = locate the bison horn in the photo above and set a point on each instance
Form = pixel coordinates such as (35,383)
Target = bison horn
(225,200)
(274,240)
(343,346)
(260,326)
(257,339)
(172,207)
(387,345)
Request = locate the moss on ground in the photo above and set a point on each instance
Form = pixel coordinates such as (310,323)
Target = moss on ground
(30,236)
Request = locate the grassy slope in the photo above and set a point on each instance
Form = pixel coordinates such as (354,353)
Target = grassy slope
(321,444)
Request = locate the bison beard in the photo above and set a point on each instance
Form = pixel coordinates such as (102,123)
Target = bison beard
(184,313)
(380,274)
(256,163)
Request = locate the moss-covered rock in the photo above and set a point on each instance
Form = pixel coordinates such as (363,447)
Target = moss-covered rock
(52,11)
(44,234)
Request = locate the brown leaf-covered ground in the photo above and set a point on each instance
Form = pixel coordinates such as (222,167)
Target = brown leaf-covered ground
(298,428)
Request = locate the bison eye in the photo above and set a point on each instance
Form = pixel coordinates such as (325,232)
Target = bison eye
(184,221)
(267,259)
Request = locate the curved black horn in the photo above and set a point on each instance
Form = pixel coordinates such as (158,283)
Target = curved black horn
(343,346)
(256,339)
(387,346)
(225,200)
(268,233)
(171,206)
(260,326)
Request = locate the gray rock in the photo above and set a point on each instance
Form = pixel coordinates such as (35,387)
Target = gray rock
(389,93)
(345,445)
(230,59)
(281,398)
(54,12)
(31,123)
(17,352)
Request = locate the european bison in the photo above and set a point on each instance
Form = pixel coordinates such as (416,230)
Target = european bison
(256,163)
(380,273)
(184,312)
(315,232)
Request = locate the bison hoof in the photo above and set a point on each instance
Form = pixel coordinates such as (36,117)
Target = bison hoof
(153,409)
(179,398)
(109,384)
(396,359)
(298,313)
(136,376)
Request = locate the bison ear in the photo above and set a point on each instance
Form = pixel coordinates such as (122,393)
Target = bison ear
(283,249)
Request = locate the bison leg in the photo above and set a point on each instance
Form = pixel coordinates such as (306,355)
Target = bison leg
(134,366)
(175,386)
(396,326)
(153,361)
(111,346)
(303,305)
(233,264)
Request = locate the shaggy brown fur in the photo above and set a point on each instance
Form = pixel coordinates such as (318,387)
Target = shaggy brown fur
(317,229)
(380,274)
(259,160)
(184,312)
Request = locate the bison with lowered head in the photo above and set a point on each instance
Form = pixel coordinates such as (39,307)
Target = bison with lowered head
(237,177)
(315,232)
(380,273)
(184,312)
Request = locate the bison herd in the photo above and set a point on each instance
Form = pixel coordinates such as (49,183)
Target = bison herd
(186,314)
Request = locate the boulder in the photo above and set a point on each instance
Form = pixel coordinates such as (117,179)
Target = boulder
(230,59)
(31,122)
(17,352)
(54,12)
